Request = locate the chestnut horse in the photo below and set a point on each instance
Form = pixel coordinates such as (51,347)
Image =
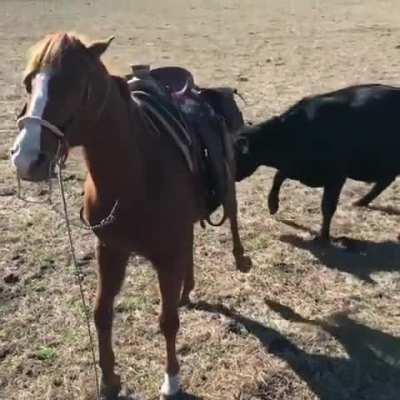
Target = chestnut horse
(74,101)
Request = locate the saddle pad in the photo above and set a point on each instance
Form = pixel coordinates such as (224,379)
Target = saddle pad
(162,115)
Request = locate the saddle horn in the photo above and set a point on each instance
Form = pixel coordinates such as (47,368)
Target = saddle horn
(181,92)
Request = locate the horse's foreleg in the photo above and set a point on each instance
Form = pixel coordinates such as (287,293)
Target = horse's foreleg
(170,280)
(111,272)
(273,197)
(378,188)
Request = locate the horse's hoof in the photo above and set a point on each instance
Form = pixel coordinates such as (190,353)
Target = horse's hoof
(110,391)
(185,302)
(273,207)
(177,396)
(244,264)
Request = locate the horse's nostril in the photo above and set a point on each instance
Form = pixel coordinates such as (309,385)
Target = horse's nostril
(13,150)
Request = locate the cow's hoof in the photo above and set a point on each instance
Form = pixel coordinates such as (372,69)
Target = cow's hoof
(322,240)
(244,263)
(110,391)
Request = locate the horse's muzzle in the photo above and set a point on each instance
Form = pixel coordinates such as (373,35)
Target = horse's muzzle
(38,169)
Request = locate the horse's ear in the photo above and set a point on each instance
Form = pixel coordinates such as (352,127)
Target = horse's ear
(98,48)
(27,81)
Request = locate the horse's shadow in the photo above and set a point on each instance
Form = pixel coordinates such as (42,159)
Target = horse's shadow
(370,372)
(358,257)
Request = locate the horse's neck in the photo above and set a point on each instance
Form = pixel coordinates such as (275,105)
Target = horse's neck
(112,157)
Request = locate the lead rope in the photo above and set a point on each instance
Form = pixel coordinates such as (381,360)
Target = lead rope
(78,274)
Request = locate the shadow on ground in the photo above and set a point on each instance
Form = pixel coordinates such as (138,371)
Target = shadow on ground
(370,372)
(358,257)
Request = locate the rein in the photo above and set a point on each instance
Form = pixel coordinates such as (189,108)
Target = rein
(79,279)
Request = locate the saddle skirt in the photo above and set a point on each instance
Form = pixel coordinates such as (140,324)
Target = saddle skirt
(201,122)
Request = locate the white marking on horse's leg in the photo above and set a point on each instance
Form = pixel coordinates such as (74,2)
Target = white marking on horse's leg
(27,144)
(171,385)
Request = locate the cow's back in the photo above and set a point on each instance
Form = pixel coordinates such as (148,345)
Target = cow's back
(354,131)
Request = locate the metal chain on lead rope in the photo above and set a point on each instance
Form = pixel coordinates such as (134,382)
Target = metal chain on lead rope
(78,274)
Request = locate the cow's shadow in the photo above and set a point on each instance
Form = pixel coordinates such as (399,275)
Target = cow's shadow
(358,257)
(390,210)
(371,371)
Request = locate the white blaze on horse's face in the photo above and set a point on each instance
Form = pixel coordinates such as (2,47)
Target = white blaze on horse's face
(26,150)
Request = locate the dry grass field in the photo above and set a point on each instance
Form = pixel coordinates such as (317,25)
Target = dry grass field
(308,322)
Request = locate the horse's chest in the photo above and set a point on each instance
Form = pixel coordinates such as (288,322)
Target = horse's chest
(145,237)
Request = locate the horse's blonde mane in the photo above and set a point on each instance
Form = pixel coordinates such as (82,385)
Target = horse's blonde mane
(48,51)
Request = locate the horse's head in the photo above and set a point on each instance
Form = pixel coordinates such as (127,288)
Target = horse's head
(67,86)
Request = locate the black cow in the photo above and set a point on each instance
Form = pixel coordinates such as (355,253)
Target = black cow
(324,139)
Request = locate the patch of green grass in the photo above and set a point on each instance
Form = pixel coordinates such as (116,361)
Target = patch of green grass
(46,353)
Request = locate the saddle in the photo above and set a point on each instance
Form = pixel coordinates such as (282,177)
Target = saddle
(201,121)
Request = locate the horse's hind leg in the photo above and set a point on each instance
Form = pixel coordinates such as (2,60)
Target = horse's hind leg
(188,282)
(378,188)
(273,197)
(330,200)
(111,272)
(171,275)
(243,263)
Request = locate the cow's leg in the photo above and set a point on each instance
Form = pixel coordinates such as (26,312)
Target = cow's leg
(329,203)
(377,189)
(111,272)
(273,197)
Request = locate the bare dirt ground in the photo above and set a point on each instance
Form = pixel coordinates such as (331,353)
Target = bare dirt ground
(306,323)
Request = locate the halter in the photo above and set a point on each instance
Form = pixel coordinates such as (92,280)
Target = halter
(61,154)
(63,145)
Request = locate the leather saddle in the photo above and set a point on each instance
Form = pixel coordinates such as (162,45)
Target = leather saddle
(193,115)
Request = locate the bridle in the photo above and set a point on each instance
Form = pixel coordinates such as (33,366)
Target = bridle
(63,145)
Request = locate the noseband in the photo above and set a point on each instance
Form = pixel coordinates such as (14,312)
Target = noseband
(52,128)
(62,150)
